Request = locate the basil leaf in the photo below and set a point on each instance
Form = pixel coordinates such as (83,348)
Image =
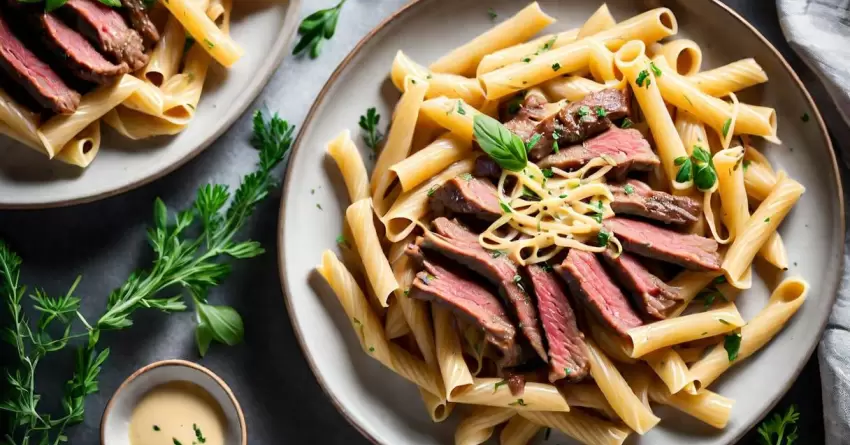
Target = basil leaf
(504,147)
(224,323)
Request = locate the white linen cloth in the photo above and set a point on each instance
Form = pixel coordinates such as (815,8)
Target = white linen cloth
(819,31)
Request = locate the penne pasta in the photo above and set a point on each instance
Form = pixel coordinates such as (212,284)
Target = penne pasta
(618,393)
(83,148)
(479,423)
(519,28)
(673,331)
(415,312)
(452,86)
(518,431)
(431,160)
(709,407)
(22,123)
(601,20)
(761,225)
(729,78)
(395,326)
(574,88)
(438,408)
(688,284)
(588,395)
(683,55)
(671,369)
(165,58)
(398,142)
(456,375)
(359,218)
(495,392)
(137,125)
(350,163)
(614,346)
(784,303)
(208,36)
(733,200)
(581,426)
(516,53)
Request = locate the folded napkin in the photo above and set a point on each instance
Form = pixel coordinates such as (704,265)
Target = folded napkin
(819,31)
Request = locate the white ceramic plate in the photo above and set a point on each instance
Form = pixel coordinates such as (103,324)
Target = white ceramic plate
(28,180)
(387,409)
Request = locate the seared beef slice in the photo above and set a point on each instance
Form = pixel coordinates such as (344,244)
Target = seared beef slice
(687,250)
(636,198)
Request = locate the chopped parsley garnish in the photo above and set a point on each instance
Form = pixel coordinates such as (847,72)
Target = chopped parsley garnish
(804,117)
(583,111)
(198,434)
(548,45)
(603,237)
(460,109)
(209,44)
(547,172)
(498,384)
(629,189)
(732,344)
(726,126)
(627,123)
(175,441)
(719,280)
(526,59)
(642,77)
(556,66)
(601,112)
(371,349)
(562,196)
(767,220)
(655,69)
(535,138)
(316,28)
(776,426)
(432,190)
(519,402)
(555,147)
(341,241)
(724,322)
(492,13)
(156,428)
(505,208)
(369,124)
(319,206)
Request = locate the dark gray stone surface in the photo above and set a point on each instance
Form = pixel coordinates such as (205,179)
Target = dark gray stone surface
(105,241)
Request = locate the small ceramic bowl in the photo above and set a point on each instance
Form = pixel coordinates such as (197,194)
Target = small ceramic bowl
(114,426)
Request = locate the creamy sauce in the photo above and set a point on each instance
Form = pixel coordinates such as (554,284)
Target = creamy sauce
(177,413)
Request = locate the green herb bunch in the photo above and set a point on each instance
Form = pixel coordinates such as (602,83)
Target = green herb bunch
(773,430)
(316,28)
(699,167)
(182,263)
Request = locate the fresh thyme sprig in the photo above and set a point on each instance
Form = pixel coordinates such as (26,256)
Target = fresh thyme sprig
(316,28)
(194,264)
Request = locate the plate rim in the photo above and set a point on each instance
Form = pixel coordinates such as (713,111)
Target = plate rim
(253,89)
(410,8)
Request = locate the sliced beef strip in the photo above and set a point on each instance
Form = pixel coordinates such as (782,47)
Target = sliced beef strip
(106,29)
(469,300)
(590,283)
(34,75)
(636,198)
(593,114)
(533,118)
(627,148)
(137,15)
(687,250)
(486,167)
(650,294)
(76,53)
(467,195)
(455,242)
(567,353)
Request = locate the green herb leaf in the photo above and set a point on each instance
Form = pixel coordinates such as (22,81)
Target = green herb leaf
(726,126)
(548,173)
(804,117)
(492,13)
(224,323)
(498,384)
(535,138)
(555,147)
(460,109)
(369,124)
(504,147)
(317,27)
(603,237)
(686,172)
(772,430)
(627,123)
(746,164)
(505,208)
(642,77)
(732,344)
(655,69)
(600,112)
(629,189)
(556,66)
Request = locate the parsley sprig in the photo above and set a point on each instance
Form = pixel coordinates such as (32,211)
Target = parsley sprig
(180,262)
(772,430)
(699,167)
(369,124)
(316,28)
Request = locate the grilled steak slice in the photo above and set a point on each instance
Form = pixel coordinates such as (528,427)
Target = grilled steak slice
(687,250)
(33,75)
(137,15)
(536,117)
(567,353)
(591,284)
(636,198)
(593,114)
(461,245)
(75,51)
(469,300)
(486,167)
(650,294)
(627,148)
(106,29)
(468,196)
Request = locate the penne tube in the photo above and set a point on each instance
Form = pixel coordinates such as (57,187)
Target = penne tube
(639,377)
(614,346)
(707,406)
(632,61)
(399,140)
(618,393)
(691,354)
(516,53)
(759,179)
(583,427)
(671,369)
(454,115)
(350,163)
(208,36)
(137,125)
(21,122)
(495,392)
(359,218)
(83,148)
(761,225)
(431,160)
(599,21)
(673,331)
(478,425)
(415,370)
(147,99)
(733,200)
(456,375)
(415,312)
(518,431)
(692,132)
(21,137)
(410,207)
(452,86)
(758,121)
(683,55)
(395,326)
(519,28)
(677,91)
(784,302)
(166,55)
(588,395)
(688,284)
(574,88)
(61,128)
(773,251)
(438,408)
(729,78)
